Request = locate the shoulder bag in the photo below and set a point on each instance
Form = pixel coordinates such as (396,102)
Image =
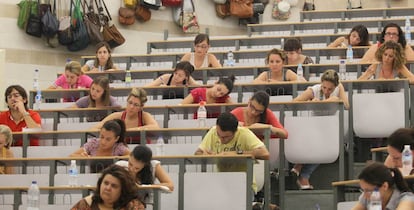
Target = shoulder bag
(189,20)
(281,10)
(110,33)
(34,24)
(222,10)
(151,4)
(308,5)
(27,7)
(50,23)
(171,3)
(92,23)
(142,13)
(126,15)
(65,31)
(79,33)
(241,8)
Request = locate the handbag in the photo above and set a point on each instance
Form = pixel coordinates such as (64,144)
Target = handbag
(27,7)
(92,22)
(189,20)
(79,32)
(126,15)
(241,8)
(142,13)
(309,6)
(281,10)
(110,33)
(130,3)
(65,31)
(222,10)
(171,3)
(34,24)
(151,4)
(50,24)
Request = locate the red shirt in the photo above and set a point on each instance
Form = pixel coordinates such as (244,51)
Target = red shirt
(6,119)
(200,94)
(270,119)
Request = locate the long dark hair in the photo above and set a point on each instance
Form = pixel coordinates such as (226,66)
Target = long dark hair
(228,82)
(362,33)
(104,83)
(401,137)
(377,173)
(143,154)
(401,36)
(109,63)
(263,99)
(128,188)
(118,127)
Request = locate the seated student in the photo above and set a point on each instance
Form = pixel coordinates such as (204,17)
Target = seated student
(258,113)
(393,189)
(73,78)
(19,116)
(275,61)
(99,96)
(145,170)
(6,139)
(103,60)
(391,64)
(358,36)
(293,50)
(200,58)
(391,32)
(111,142)
(134,116)
(329,90)
(218,93)
(115,190)
(228,138)
(395,146)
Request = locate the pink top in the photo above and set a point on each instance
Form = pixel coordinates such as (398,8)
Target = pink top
(91,147)
(199,94)
(84,81)
(270,119)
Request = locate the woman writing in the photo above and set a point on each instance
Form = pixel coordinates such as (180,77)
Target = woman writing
(275,61)
(73,78)
(115,190)
(200,58)
(391,64)
(103,60)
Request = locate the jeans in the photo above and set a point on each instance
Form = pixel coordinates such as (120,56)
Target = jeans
(307,170)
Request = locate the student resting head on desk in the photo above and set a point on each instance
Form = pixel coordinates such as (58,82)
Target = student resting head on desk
(394,191)
(395,146)
(111,142)
(145,170)
(180,77)
(200,58)
(358,36)
(103,60)
(277,73)
(6,140)
(115,190)
(134,116)
(391,32)
(19,116)
(390,64)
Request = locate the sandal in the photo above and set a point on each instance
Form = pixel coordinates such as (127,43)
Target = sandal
(304,187)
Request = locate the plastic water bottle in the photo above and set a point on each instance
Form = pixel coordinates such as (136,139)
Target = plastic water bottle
(33,197)
(408,30)
(160,146)
(282,43)
(349,54)
(375,202)
(38,99)
(128,78)
(73,174)
(230,58)
(342,70)
(36,79)
(202,115)
(407,160)
(299,72)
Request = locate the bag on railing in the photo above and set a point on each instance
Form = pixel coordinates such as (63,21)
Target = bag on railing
(50,23)
(27,7)
(142,13)
(79,32)
(151,4)
(126,15)
(34,24)
(281,10)
(308,5)
(92,23)
(189,20)
(222,10)
(130,3)
(110,33)
(241,8)
(172,3)
(65,31)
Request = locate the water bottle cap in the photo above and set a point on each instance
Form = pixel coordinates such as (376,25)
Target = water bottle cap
(407,147)
(202,103)
(36,70)
(73,161)
(34,182)
(342,62)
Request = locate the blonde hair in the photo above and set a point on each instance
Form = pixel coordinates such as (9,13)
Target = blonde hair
(330,75)
(74,67)
(5,130)
(399,53)
(139,93)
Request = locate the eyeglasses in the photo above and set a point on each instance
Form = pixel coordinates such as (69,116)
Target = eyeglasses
(137,105)
(366,191)
(255,109)
(202,46)
(15,95)
(391,34)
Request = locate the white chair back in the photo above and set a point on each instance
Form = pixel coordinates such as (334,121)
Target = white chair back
(62,105)
(347,205)
(19,180)
(48,151)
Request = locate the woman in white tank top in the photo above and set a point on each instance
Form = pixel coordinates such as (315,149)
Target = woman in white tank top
(200,58)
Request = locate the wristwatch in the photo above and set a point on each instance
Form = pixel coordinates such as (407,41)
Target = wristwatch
(25,114)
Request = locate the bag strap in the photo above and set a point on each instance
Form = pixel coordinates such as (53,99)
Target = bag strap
(106,9)
(192,5)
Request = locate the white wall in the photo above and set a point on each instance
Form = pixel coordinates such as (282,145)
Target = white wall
(25,53)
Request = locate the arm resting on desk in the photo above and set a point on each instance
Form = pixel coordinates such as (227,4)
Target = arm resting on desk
(163,177)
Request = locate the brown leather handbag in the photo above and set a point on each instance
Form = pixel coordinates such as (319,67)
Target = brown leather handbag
(126,16)
(241,8)
(222,10)
(142,13)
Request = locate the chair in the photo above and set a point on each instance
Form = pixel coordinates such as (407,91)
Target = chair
(188,123)
(312,139)
(19,180)
(378,115)
(61,196)
(75,126)
(162,102)
(62,105)
(18,153)
(48,151)
(50,206)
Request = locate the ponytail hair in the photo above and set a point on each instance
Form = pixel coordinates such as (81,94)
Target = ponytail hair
(228,82)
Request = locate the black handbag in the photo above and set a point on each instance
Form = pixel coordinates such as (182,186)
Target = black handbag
(50,24)
(79,33)
(34,24)
(151,4)
(309,6)
(92,23)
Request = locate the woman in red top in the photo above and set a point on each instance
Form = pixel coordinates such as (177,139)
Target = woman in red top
(256,113)
(19,116)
